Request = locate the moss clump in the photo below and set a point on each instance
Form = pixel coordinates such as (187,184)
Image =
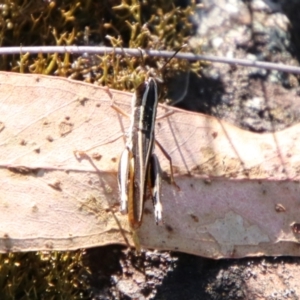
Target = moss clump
(43,275)
(149,24)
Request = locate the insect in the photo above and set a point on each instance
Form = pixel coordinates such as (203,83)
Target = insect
(139,166)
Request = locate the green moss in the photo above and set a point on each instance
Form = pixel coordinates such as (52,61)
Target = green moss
(43,275)
(149,24)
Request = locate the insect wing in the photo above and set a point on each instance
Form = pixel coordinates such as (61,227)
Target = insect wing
(145,106)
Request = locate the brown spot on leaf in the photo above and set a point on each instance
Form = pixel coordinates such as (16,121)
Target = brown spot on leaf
(56,184)
(65,128)
(195,218)
(34,208)
(37,150)
(214,134)
(96,156)
(82,100)
(46,122)
(169,228)
(49,138)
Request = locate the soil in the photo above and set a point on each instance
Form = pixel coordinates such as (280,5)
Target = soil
(118,273)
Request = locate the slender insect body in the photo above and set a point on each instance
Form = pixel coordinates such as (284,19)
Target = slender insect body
(140,146)
(139,166)
(144,114)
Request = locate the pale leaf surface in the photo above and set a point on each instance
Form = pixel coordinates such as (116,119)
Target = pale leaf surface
(60,141)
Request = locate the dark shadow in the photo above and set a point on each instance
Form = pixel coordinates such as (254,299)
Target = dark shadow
(199,278)
(203,93)
(292,11)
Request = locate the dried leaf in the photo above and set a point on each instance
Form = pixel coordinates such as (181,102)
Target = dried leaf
(60,141)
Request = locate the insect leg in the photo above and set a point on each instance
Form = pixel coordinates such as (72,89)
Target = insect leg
(154,177)
(168,157)
(123,178)
(126,180)
(119,110)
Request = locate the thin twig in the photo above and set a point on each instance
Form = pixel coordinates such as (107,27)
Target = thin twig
(158,53)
